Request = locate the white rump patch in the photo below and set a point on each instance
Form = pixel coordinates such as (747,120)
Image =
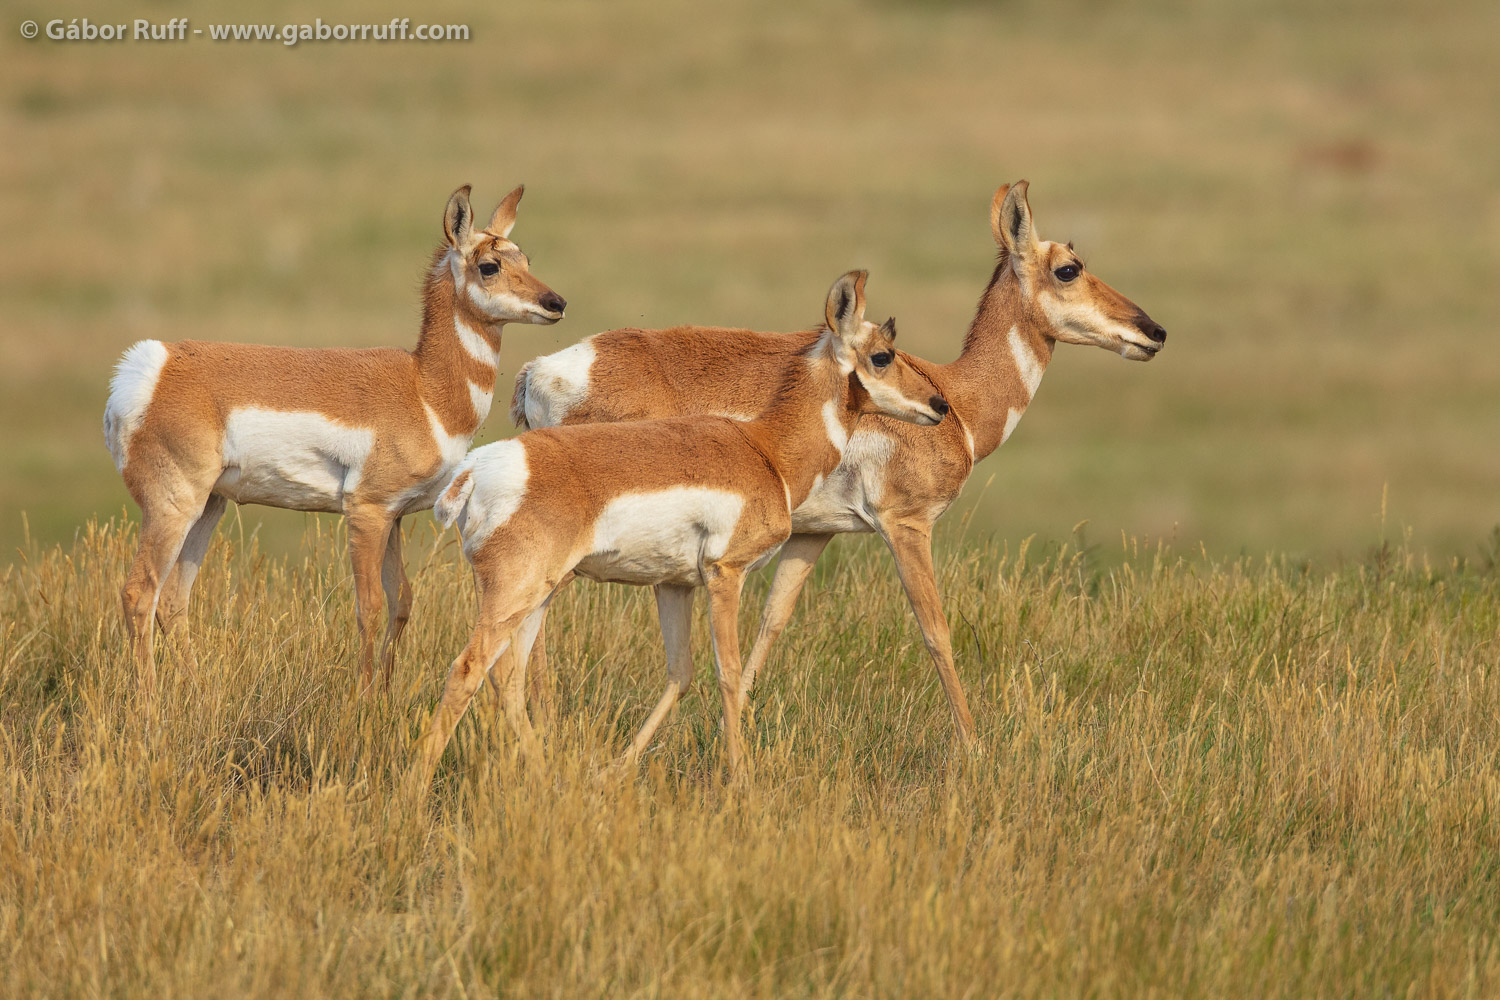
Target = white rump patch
(130,392)
(496,487)
(834,426)
(475,343)
(1026,362)
(664,536)
(557,383)
(291,458)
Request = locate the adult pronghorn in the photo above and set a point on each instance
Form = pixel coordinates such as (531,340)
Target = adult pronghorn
(678,503)
(894,479)
(372,434)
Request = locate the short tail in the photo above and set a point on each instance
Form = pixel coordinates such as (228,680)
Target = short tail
(518,398)
(454,499)
(130,391)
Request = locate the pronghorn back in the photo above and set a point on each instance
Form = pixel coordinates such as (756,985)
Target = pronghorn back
(634,374)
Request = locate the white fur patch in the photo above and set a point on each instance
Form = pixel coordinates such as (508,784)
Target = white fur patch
(503,306)
(295,459)
(476,344)
(130,392)
(1086,323)
(482,398)
(835,427)
(1027,364)
(1011,419)
(848,498)
(557,383)
(664,536)
(451,447)
(969,441)
(497,484)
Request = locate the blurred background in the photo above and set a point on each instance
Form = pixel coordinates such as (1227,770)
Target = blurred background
(1304,194)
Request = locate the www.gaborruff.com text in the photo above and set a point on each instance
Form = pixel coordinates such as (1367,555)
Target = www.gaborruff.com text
(178,29)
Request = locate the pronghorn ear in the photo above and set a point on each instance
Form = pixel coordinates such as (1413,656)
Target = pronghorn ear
(1010,218)
(846,303)
(458,220)
(888,328)
(504,219)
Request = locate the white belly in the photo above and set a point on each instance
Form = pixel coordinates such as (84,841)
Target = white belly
(666,536)
(294,459)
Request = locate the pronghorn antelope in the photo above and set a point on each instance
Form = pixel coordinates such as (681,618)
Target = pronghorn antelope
(678,503)
(372,434)
(894,479)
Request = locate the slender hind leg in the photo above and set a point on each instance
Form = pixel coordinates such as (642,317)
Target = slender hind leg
(397,601)
(172,605)
(541,683)
(164,528)
(510,677)
(798,556)
(724,613)
(674,608)
(487,642)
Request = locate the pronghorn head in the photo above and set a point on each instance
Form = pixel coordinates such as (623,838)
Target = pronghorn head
(491,271)
(868,353)
(1079,308)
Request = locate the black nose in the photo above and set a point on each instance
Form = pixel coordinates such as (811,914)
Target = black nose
(552,302)
(939,405)
(1153,330)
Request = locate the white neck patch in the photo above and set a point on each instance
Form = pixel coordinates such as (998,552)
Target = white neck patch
(1028,365)
(835,427)
(475,343)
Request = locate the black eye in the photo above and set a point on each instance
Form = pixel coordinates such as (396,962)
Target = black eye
(882,359)
(1067,272)
(489,268)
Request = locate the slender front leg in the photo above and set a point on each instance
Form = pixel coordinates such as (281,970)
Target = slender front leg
(369,531)
(674,609)
(724,613)
(912,547)
(798,556)
(397,600)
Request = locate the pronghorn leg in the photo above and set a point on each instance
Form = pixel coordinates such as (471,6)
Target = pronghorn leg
(172,605)
(724,614)
(369,531)
(541,684)
(792,570)
(488,640)
(674,609)
(164,528)
(510,677)
(397,601)
(912,547)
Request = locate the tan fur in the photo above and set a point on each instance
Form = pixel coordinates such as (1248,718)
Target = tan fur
(572,474)
(641,373)
(174,461)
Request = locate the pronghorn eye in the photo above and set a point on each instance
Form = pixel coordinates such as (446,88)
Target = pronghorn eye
(1067,272)
(882,359)
(489,268)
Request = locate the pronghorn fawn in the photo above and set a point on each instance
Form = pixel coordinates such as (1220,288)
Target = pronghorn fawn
(371,434)
(894,479)
(676,503)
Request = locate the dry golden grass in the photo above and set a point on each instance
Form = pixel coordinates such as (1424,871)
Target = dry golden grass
(1200,779)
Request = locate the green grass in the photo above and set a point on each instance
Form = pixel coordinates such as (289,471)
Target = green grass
(1200,779)
(1304,195)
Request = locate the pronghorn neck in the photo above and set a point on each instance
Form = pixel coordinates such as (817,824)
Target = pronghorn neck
(804,430)
(457,353)
(1005,354)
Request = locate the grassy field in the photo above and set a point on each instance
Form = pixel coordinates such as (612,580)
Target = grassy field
(1306,195)
(1200,779)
